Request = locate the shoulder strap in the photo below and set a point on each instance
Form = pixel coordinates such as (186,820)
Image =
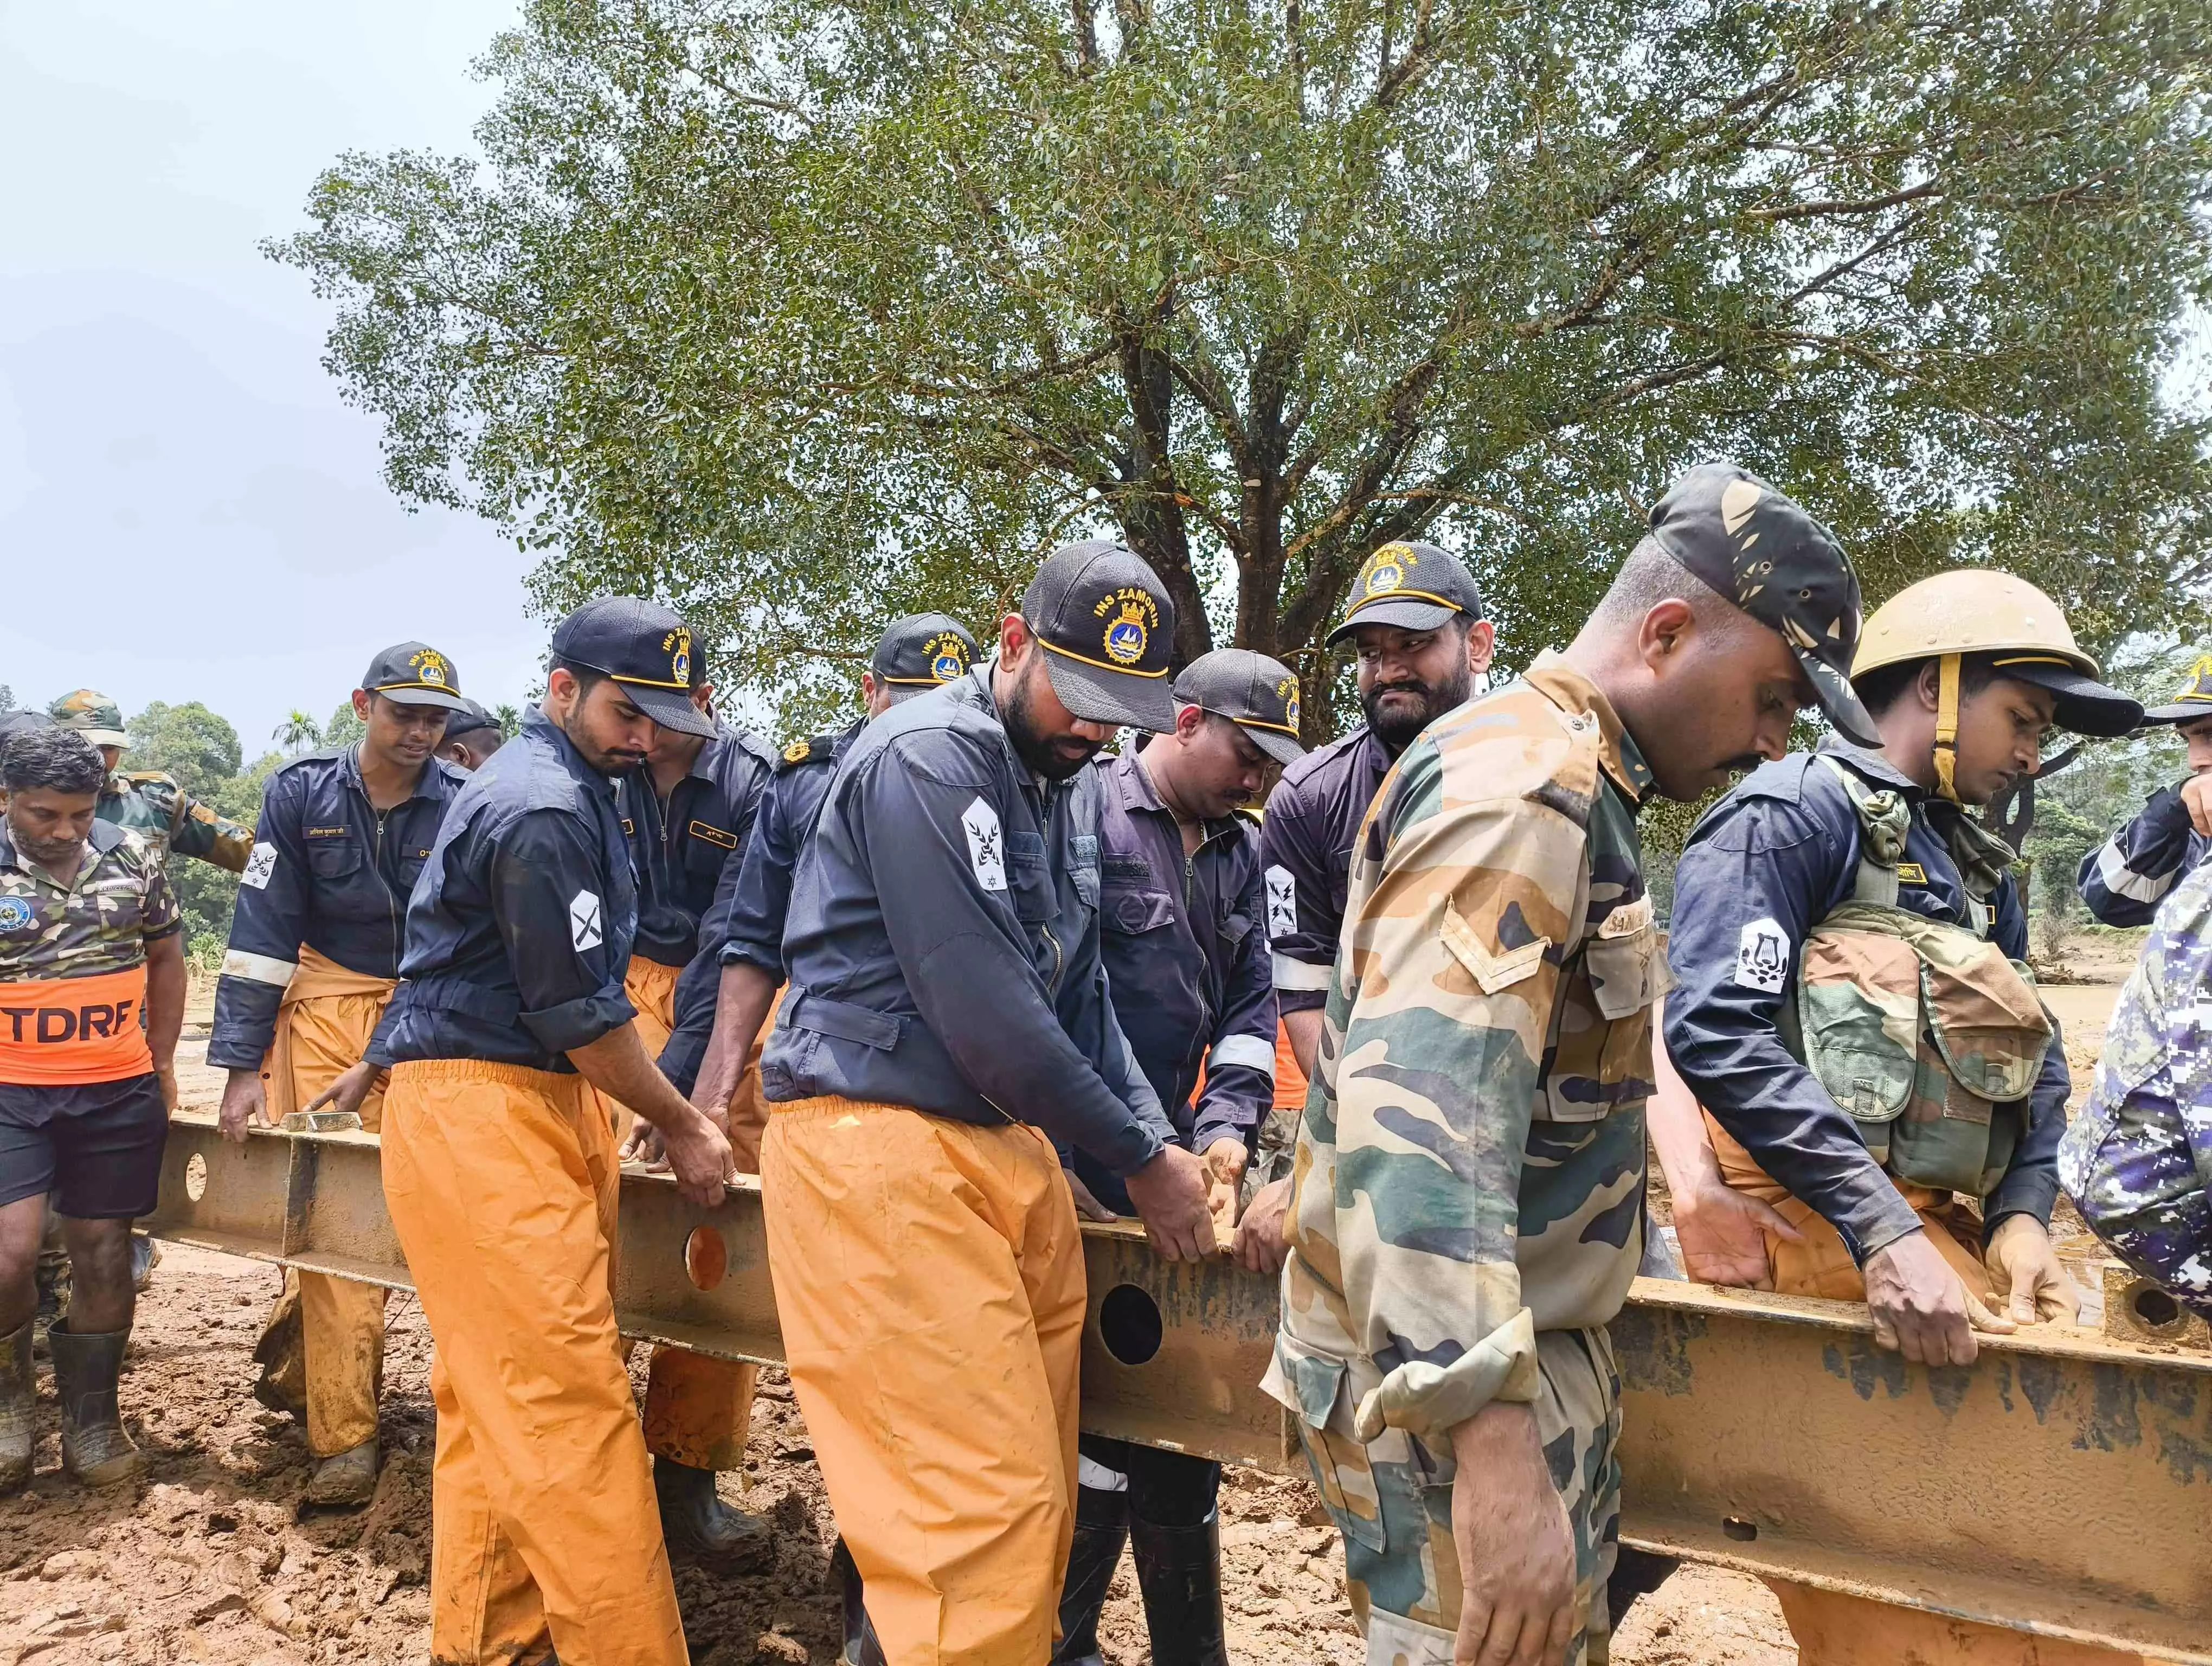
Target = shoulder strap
(1884,818)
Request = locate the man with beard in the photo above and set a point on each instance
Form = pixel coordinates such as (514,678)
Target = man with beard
(499,1169)
(1417,627)
(314,953)
(945,1025)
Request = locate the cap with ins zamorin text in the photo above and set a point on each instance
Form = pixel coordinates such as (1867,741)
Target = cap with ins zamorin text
(645,648)
(90,713)
(1260,696)
(1411,586)
(1107,627)
(2194,700)
(920,650)
(1740,537)
(413,674)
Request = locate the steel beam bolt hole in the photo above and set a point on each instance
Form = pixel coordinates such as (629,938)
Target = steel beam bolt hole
(2155,1308)
(1738,1529)
(1129,1324)
(195,1178)
(705,1257)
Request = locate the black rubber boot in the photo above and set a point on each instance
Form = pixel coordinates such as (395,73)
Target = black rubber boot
(862,1647)
(87,1368)
(1102,1528)
(696,1523)
(1179,1571)
(18,1408)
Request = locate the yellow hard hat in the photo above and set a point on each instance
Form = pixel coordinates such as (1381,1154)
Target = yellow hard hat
(1978,609)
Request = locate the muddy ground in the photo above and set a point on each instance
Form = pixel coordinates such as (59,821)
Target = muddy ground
(211,1560)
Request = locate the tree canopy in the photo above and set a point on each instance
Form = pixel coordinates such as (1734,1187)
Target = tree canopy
(801,313)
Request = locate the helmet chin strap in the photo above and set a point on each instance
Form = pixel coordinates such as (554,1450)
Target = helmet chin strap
(1947,725)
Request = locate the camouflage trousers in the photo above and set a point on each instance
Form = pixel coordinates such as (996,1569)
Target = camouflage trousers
(1391,1499)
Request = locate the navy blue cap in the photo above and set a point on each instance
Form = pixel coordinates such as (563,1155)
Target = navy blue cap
(645,648)
(920,650)
(414,674)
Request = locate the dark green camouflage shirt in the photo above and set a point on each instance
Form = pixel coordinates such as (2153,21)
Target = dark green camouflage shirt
(119,902)
(170,819)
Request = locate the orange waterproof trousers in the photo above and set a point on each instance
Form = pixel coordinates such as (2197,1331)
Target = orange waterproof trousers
(503,1185)
(334,1360)
(698,1411)
(929,1278)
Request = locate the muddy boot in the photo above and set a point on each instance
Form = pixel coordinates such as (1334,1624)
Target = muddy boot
(347,1481)
(94,1449)
(1179,1571)
(53,1276)
(145,1256)
(18,1408)
(696,1523)
(861,1646)
(1102,1528)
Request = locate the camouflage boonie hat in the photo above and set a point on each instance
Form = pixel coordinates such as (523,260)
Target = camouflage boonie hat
(1744,539)
(92,715)
(2194,700)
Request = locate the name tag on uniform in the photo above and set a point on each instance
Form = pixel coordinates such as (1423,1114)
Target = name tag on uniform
(1912,874)
(728,841)
(327,832)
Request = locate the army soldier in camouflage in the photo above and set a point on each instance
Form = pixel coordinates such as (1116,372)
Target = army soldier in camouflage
(2134,1159)
(148,802)
(1467,1204)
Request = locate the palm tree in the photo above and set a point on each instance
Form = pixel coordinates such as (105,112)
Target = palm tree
(297,733)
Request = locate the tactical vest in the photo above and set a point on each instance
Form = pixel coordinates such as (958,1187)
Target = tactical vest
(1923,1030)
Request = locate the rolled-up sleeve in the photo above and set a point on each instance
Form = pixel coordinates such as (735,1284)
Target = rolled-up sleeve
(1757,873)
(1435,1086)
(546,887)
(963,951)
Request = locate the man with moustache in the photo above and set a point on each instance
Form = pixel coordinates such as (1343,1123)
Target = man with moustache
(946,1025)
(313,955)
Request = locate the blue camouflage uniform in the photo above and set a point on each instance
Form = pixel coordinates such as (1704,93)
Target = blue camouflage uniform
(745,922)
(521,924)
(2124,879)
(2137,1161)
(682,848)
(1186,964)
(959,975)
(329,872)
(1763,866)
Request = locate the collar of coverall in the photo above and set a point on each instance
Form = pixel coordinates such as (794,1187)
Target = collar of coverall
(1570,692)
(351,764)
(974,689)
(534,721)
(1134,783)
(1871,764)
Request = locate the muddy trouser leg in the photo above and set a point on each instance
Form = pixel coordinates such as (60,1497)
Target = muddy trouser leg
(1392,1501)
(1175,1539)
(1102,1530)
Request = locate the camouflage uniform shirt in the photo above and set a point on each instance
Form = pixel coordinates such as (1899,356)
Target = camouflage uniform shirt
(120,902)
(1467,1206)
(2137,1161)
(153,807)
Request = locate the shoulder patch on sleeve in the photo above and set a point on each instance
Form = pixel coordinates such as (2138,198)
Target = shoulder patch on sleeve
(258,866)
(1762,957)
(586,927)
(986,844)
(1282,901)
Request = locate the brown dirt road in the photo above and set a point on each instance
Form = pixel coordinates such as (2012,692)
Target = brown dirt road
(212,1560)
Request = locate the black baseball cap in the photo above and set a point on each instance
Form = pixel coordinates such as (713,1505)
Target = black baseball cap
(920,650)
(644,647)
(1745,540)
(413,674)
(1108,629)
(1260,696)
(1414,586)
(467,717)
(2194,700)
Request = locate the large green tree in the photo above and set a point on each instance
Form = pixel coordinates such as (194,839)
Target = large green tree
(800,313)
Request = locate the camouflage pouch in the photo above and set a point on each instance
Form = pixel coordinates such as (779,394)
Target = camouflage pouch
(1928,1036)
(1600,1043)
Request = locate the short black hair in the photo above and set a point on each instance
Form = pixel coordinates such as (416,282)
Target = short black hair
(586,676)
(1885,685)
(58,760)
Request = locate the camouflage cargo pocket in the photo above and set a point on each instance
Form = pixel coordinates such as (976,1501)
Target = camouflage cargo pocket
(1858,1010)
(1601,1052)
(1987,1020)
(1341,1467)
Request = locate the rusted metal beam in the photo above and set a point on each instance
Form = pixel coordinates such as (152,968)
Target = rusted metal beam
(2062,1485)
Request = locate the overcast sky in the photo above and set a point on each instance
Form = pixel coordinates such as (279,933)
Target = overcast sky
(187,512)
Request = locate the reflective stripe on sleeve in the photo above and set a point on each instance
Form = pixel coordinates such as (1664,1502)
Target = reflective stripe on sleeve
(259,968)
(1298,975)
(1250,1051)
(2123,881)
